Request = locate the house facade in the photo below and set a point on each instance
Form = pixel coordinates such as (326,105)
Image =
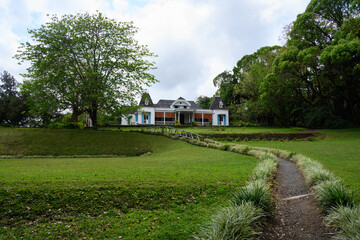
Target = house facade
(169,112)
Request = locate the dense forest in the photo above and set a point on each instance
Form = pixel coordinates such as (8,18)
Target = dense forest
(312,81)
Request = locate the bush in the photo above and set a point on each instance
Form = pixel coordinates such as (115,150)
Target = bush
(266,169)
(233,222)
(258,192)
(346,220)
(229,139)
(68,125)
(333,194)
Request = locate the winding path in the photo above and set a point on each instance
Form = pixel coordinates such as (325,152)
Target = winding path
(296,215)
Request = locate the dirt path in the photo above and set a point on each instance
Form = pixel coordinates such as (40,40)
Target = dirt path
(297,215)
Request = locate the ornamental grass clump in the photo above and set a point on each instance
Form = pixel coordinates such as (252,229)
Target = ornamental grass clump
(315,176)
(333,194)
(257,192)
(266,169)
(346,220)
(233,222)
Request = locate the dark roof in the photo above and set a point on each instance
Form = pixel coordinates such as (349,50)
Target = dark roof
(146,96)
(181,98)
(166,104)
(216,102)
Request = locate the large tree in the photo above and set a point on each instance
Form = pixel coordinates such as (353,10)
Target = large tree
(85,63)
(12,104)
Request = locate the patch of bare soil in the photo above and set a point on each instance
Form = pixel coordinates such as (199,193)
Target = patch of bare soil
(296,215)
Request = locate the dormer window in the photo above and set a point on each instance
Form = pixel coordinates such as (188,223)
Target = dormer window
(146,102)
(221,105)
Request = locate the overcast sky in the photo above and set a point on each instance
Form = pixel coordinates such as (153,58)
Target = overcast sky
(194,39)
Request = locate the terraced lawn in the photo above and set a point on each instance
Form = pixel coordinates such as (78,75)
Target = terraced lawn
(164,194)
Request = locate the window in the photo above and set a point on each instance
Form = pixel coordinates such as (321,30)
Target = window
(185,107)
(146,102)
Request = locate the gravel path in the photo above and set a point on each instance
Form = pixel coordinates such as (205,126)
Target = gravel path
(296,215)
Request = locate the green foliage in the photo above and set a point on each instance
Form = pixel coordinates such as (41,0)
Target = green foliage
(347,222)
(68,125)
(204,101)
(312,81)
(13,111)
(257,192)
(81,62)
(333,194)
(233,222)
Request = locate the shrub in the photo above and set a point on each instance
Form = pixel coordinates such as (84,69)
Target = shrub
(246,150)
(333,194)
(224,147)
(317,175)
(246,139)
(233,222)
(346,220)
(266,169)
(291,155)
(258,192)
(229,139)
(68,125)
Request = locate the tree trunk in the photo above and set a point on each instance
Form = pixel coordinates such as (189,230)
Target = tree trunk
(93,116)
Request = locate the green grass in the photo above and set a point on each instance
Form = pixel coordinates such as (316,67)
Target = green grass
(339,152)
(58,142)
(165,195)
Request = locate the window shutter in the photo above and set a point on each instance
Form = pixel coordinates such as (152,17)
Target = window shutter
(142,118)
(136,118)
(149,117)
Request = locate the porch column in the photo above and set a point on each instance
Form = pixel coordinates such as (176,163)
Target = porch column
(202,119)
(164,119)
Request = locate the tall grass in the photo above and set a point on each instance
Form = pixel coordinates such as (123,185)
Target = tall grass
(334,197)
(233,222)
(248,206)
(347,222)
(257,192)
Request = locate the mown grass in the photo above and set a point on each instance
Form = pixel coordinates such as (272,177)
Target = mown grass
(61,142)
(339,152)
(165,195)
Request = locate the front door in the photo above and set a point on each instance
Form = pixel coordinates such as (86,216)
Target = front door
(182,118)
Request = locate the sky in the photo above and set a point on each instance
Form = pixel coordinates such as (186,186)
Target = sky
(195,40)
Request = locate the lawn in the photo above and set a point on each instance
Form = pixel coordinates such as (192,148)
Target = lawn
(163,195)
(57,142)
(339,152)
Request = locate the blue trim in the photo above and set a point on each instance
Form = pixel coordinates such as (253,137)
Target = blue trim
(218,123)
(142,118)
(136,118)
(129,120)
(149,117)
(224,120)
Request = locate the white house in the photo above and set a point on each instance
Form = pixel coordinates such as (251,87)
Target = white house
(168,112)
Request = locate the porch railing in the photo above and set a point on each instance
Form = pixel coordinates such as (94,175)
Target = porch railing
(174,131)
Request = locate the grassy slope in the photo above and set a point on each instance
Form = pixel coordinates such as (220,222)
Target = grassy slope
(339,152)
(28,142)
(160,196)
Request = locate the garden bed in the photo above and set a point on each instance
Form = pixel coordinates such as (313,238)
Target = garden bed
(264,136)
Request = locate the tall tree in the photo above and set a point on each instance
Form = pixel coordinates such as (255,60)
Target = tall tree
(204,101)
(85,63)
(12,104)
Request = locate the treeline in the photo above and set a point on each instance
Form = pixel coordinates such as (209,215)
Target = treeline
(312,81)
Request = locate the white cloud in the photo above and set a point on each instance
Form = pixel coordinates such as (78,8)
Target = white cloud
(195,39)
